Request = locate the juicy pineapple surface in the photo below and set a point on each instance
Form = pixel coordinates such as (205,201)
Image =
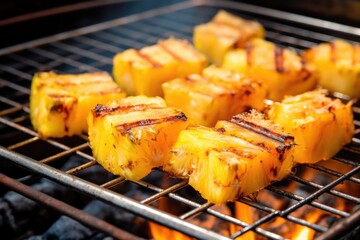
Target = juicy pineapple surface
(223,33)
(338,64)
(237,158)
(130,136)
(281,70)
(59,104)
(216,94)
(320,125)
(141,72)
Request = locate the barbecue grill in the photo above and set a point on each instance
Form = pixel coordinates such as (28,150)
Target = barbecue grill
(91,48)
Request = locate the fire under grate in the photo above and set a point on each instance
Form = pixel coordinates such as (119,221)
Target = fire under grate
(91,49)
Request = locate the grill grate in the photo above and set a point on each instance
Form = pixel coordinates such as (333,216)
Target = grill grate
(92,48)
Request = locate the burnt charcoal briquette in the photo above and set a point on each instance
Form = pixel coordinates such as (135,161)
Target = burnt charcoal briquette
(19,213)
(66,228)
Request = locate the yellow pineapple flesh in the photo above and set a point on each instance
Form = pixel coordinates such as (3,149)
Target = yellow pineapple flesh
(320,125)
(223,33)
(338,64)
(131,136)
(141,72)
(59,103)
(215,95)
(223,164)
(281,70)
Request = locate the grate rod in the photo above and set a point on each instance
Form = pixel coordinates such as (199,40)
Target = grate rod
(286,16)
(319,192)
(331,191)
(98,27)
(274,213)
(347,161)
(66,209)
(64,153)
(213,212)
(113,182)
(81,167)
(340,229)
(52,142)
(10,110)
(196,210)
(158,195)
(314,204)
(108,196)
(299,204)
(23,143)
(331,172)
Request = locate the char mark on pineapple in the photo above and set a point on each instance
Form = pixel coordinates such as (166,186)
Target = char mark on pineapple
(126,127)
(333,52)
(148,59)
(304,73)
(279,60)
(249,49)
(101,110)
(274,170)
(60,108)
(223,23)
(281,150)
(189,79)
(170,52)
(282,138)
(57,107)
(355,54)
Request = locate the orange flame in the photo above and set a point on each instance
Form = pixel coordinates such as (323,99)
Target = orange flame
(243,212)
(279,225)
(210,222)
(159,232)
(305,233)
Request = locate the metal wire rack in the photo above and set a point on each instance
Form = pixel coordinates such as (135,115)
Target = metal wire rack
(91,49)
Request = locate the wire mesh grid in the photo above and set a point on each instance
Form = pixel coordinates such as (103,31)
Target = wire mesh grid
(93,52)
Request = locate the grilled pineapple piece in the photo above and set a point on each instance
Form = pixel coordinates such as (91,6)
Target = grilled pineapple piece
(320,125)
(338,63)
(141,72)
(238,158)
(130,136)
(59,104)
(215,95)
(223,33)
(281,70)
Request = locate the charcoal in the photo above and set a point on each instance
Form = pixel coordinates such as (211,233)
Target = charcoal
(66,228)
(101,236)
(7,220)
(19,213)
(354,234)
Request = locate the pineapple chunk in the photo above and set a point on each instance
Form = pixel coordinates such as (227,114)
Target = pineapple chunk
(130,136)
(59,104)
(141,72)
(281,70)
(236,159)
(338,64)
(223,33)
(321,125)
(216,95)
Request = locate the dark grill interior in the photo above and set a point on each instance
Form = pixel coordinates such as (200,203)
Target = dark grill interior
(69,161)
